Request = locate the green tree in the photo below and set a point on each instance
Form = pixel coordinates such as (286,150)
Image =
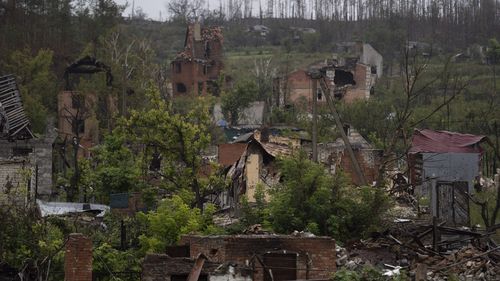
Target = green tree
(309,198)
(116,168)
(172,219)
(37,83)
(180,139)
(237,99)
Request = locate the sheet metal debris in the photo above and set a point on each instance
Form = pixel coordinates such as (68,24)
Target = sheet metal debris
(14,123)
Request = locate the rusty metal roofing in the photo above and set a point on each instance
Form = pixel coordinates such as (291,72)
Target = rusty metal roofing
(276,149)
(445,142)
(14,123)
(229,153)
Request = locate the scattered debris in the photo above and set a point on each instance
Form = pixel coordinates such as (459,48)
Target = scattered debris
(436,251)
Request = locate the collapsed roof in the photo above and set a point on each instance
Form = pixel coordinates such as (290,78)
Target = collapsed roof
(14,123)
(87,65)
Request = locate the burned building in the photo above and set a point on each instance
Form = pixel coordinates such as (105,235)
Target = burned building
(20,150)
(347,82)
(248,164)
(444,167)
(271,257)
(334,155)
(78,111)
(197,68)
(359,52)
(157,267)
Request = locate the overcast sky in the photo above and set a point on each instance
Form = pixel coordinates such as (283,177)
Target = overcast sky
(153,7)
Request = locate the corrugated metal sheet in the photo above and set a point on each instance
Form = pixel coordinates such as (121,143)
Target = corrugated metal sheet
(119,200)
(13,121)
(229,153)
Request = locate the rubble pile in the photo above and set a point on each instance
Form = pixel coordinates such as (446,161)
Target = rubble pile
(468,263)
(426,252)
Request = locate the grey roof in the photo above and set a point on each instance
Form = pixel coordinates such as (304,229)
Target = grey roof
(64,208)
(243,138)
(13,120)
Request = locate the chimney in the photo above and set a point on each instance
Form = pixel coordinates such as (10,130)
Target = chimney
(264,134)
(197,31)
(78,258)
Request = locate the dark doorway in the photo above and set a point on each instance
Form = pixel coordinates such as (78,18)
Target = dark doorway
(281,266)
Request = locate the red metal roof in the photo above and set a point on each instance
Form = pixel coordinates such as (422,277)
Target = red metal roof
(444,142)
(229,153)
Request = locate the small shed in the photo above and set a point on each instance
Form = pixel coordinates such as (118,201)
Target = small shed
(443,167)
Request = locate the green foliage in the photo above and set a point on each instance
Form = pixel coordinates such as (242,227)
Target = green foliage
(346,275)
(179,138)
(37,83)
(237,99)
(172,219)
(254,213)
(108,258)
(25,240)
(116,168)
(309,198)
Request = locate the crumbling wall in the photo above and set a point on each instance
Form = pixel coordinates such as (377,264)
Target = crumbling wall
(369,160)
(315,255)
(36,155)
(157,267)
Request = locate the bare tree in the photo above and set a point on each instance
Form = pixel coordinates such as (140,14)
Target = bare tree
(185,9)
(417,84)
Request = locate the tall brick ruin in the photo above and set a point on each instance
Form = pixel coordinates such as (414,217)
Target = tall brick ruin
(198,67)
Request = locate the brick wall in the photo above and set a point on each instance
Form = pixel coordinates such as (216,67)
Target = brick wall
(78,258)
(315,255)
(40,156)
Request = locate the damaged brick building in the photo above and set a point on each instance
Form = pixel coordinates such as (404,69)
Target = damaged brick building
(80,114)
(352,78)
(271,257)
(197,68)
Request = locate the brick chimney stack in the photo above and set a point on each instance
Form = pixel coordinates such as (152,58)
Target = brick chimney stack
(78,258)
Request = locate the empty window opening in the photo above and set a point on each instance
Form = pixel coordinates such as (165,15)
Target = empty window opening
(200,88)
(207,49)
(76,101)
(178,67)
(181,88)
(21,151)
(78,126)
(343,78)
(319,94)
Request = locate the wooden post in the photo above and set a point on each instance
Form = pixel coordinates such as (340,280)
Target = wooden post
(315,120)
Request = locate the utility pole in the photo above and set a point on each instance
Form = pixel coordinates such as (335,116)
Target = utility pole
(317,75)
(315,120)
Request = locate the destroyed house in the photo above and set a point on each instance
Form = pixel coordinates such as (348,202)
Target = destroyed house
(197,68)
(348,83)
(157,267)
(248,165)
(444,166)
(19,149)
(78,111)
(335,157)
(271,257)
